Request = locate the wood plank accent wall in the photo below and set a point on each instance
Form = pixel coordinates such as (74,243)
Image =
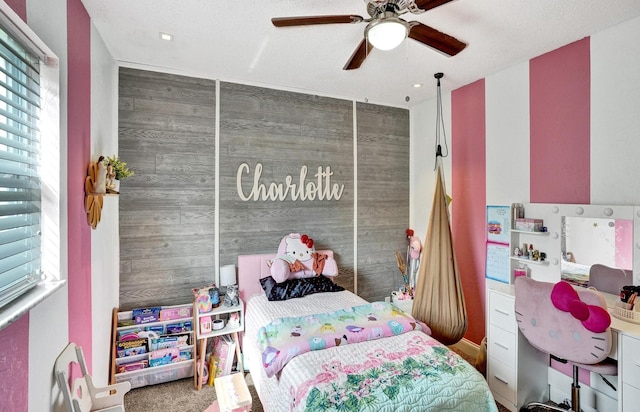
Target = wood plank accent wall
(167,136)
(167,209)
(284,131)
(383,197)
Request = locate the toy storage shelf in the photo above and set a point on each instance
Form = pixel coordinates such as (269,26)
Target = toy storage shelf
(151,375)
(216,314)
(220,313)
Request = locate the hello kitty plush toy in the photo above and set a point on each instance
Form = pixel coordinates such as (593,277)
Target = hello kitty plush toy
(297,258)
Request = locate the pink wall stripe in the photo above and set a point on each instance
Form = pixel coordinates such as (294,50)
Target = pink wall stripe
(560,96)
(79,144)
(560,125)
(468,138)
(20,7)
(14,366)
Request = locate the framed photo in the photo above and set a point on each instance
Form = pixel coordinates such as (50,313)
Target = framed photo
(498,224)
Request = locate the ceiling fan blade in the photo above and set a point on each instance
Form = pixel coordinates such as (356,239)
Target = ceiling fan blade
(310,20)
(435,39)
(430,4)
(359,55)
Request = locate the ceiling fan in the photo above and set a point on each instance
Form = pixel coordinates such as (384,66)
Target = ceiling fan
(385,29)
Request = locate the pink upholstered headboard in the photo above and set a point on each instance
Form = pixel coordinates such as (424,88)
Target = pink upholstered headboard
(252,268)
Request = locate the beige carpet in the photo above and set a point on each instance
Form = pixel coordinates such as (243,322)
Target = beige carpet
(177,396)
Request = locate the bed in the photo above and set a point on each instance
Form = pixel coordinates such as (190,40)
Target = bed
(408,371)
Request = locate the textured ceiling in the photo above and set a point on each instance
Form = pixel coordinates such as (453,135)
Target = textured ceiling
(235,41)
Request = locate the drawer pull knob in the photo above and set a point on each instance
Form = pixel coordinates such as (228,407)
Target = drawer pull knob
(501,380)
(504,346)
(502,312)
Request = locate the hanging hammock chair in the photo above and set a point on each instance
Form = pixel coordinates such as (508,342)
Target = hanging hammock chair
(439,300)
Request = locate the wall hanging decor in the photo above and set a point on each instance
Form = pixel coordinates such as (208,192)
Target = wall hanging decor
(117,170)
(94,190)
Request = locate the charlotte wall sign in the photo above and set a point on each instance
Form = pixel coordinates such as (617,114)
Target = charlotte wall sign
(319,188)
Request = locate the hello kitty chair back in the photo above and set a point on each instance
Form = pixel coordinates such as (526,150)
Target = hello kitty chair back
(570,325)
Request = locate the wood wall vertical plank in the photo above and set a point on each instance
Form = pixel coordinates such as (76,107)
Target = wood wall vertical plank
(167,136)
(167,216)
(285,131)
(383,197)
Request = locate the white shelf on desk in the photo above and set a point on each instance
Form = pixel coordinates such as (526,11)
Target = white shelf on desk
(533,262)
(530,232)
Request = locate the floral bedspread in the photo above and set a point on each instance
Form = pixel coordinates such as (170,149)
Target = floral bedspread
(284,338)
(403,373)
(425,376)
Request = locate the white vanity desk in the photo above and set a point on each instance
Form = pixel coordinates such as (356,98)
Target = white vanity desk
(628,355)
(516,372)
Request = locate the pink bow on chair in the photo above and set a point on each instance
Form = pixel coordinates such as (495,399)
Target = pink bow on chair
(565,298)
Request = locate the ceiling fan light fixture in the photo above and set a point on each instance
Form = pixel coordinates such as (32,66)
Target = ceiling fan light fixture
(387,33)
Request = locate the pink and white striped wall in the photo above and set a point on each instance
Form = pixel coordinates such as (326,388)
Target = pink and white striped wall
(22,341)
(561,128)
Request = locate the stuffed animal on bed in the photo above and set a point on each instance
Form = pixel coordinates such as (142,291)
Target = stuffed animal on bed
(297,258)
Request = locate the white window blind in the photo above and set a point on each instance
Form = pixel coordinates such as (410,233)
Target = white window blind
(20,194)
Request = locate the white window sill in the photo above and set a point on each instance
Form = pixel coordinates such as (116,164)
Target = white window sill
(15,309)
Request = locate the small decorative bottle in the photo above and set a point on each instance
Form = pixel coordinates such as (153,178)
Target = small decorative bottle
(214,294)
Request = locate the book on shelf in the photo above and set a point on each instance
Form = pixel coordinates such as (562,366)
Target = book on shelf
(185,354)
(131,347)
(146,315)
(141,332)
(223,353)
(133,366)
(179,327)
(164,356)
(170,341)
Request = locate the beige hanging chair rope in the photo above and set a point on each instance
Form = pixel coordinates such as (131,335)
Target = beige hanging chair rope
(439,299)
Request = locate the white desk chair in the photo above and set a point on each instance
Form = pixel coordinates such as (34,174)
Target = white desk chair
(571,325)
(82,395)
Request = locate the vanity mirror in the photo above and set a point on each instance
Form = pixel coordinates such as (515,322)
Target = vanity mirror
(586,241)
(585,235)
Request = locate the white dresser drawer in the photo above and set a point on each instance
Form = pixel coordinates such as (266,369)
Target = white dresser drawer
(502,345)
(630,398)
(501,311)
(630,361)
(502,379)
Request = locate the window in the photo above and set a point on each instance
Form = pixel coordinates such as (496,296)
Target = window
(20,185)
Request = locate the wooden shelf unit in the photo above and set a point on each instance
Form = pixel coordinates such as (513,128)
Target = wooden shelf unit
(201,338)
(153,374)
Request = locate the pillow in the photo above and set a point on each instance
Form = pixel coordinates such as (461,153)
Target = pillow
(297,258)
(297,288)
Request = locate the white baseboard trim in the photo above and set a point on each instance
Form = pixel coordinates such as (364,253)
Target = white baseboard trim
(469,348)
